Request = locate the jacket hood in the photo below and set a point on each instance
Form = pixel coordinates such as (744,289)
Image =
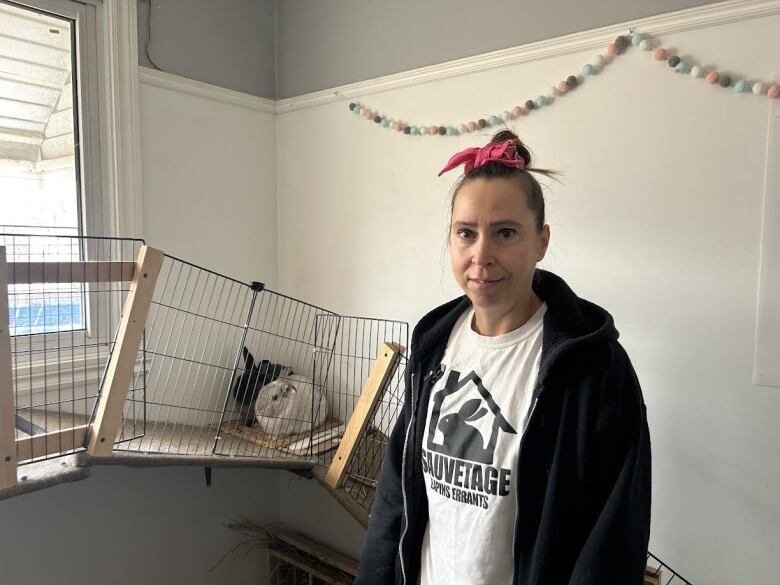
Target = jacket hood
(570,321)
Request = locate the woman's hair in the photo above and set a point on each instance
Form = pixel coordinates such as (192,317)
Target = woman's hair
(496,170)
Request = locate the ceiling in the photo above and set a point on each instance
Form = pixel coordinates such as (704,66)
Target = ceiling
(36,93)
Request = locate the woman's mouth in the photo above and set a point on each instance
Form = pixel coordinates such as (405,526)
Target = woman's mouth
(481,283)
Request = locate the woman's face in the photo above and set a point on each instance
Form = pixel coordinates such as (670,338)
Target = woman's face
(493,243)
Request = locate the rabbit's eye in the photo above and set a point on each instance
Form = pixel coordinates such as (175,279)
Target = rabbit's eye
(275,398)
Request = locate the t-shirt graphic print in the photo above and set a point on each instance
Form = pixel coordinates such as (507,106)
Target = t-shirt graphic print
(467,462)
(476,414)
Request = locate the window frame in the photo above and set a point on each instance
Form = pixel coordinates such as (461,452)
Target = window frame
(107,120)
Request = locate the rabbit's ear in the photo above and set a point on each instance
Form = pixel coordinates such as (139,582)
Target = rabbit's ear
(479,414)
(469,410)
(249,359)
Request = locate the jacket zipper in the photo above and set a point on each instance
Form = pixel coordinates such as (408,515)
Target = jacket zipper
(403,487)
(538,391)
(433,376)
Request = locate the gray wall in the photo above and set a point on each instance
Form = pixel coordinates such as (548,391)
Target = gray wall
(229,43)
(328,43)
(128,526)
(284,48)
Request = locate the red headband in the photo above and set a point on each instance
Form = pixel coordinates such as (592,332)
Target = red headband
(502,152)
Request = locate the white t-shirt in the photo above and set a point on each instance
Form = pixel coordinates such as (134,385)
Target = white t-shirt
(476,415)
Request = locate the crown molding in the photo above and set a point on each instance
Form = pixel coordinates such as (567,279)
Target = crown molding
(672,22)
(205,90)
(699,17)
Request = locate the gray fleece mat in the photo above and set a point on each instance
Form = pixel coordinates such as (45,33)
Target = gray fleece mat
(161,445)
(44,474)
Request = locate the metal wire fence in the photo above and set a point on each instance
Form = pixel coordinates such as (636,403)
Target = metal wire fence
(62,333)
(661,573)
(224,368)
(357,345)
(235,369)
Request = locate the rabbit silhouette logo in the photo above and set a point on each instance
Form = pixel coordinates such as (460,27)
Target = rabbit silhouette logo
(461,439)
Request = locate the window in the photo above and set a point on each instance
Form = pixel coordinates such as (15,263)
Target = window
(48,101)
(69,168)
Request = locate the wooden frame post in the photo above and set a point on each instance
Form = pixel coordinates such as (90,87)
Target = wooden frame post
(7,412)
(120,367)
(384,367)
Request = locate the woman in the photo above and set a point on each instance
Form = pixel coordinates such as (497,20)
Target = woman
(522,454)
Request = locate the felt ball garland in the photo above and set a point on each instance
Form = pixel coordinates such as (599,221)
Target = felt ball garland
(563,87)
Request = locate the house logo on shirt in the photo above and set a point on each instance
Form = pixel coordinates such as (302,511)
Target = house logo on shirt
(461,439)
(459,457)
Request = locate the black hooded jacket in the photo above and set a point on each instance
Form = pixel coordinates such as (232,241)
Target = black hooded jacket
(583,494)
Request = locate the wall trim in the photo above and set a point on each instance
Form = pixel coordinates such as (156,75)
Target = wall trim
(672,22)
(122,116)
(178,83)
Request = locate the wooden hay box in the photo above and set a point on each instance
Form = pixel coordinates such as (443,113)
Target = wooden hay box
(294,559)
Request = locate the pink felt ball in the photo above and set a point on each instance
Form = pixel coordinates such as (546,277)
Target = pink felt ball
(613,49)
(713,77)
(368,114)
(433,130)
(774,91)
(563,87)
(517,111)
(660,54)
(471,126)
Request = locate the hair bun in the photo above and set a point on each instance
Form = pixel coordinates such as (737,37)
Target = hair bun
(522,149)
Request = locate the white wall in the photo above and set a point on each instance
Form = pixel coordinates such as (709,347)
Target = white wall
(208,180)
(216,161)
(132,526)
(657,219)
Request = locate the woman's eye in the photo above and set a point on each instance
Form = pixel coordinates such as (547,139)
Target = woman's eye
(466,234)
(506,233)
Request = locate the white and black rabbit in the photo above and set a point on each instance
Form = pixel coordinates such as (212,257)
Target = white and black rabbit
(290,405)
(249,384)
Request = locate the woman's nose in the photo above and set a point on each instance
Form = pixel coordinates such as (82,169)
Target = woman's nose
(482,253)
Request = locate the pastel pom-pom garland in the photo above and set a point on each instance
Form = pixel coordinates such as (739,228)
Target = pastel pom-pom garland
(565,86)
